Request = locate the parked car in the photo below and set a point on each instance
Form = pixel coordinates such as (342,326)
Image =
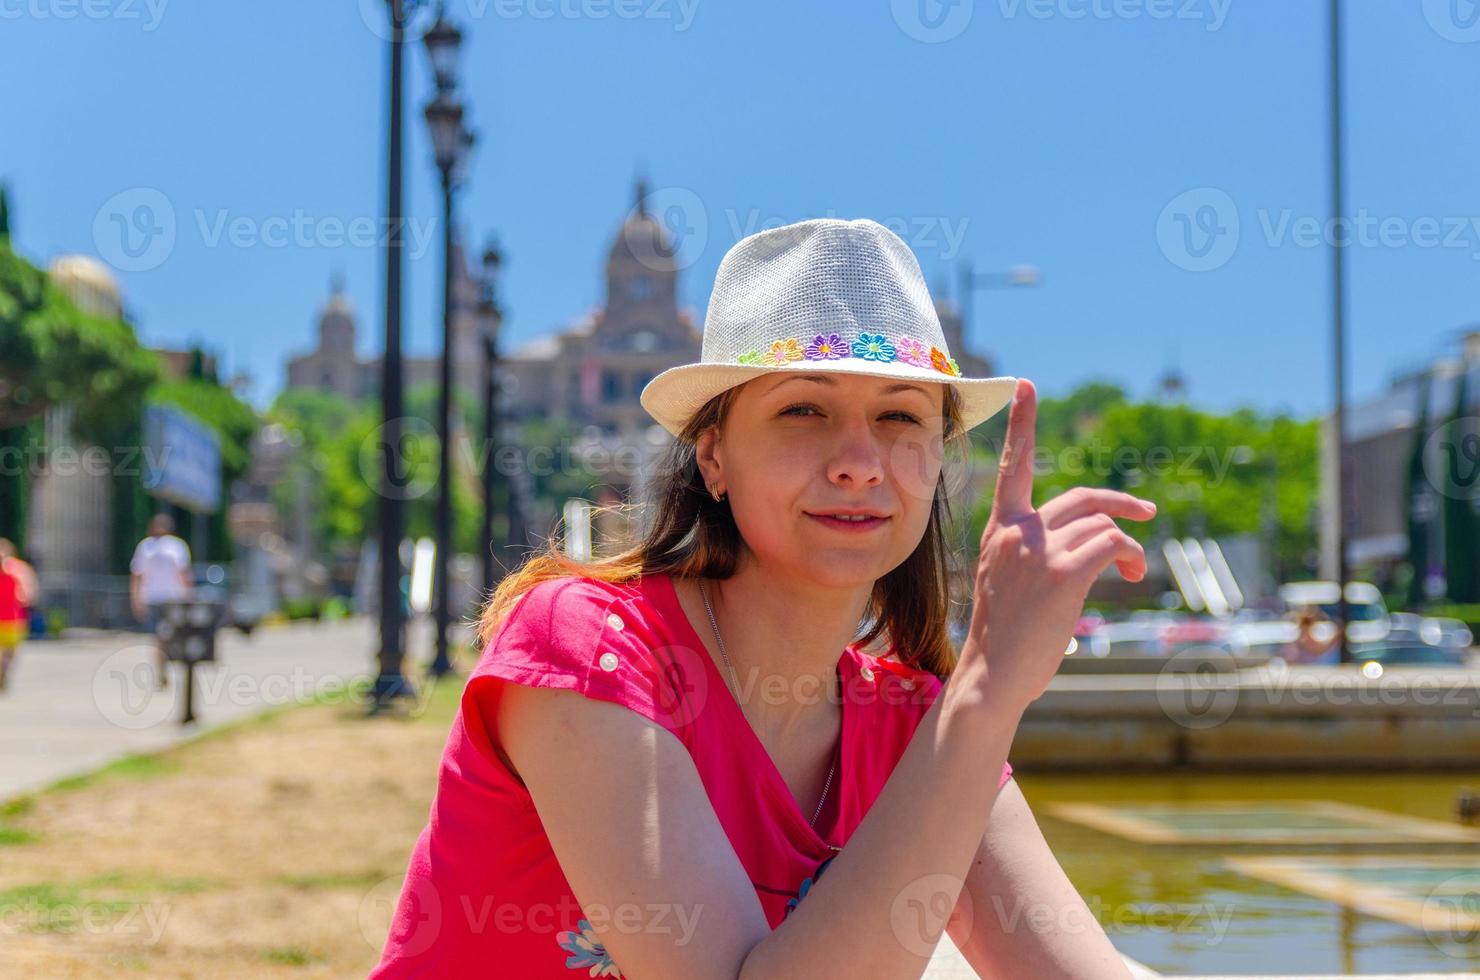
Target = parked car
(1367,614)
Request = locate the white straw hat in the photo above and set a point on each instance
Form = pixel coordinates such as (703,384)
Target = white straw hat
(824,295)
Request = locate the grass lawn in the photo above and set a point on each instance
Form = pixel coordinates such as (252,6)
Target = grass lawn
(272,847)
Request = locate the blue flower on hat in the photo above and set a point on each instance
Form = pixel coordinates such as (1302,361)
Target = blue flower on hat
(873,347)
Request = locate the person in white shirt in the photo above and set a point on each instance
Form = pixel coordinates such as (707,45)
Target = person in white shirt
(160,573)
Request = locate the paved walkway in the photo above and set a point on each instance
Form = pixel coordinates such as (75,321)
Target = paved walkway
(74,705)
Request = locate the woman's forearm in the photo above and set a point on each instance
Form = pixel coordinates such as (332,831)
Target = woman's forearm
(887,896)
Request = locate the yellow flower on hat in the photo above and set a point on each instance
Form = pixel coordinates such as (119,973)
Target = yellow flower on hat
(783,352)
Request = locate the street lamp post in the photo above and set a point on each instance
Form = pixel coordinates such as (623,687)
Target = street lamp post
(1015,278)
(391,682)
(491,318)
(451,144)
(1338,329)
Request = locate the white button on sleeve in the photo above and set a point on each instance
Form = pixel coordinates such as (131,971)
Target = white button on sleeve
(615,622)
(608,661)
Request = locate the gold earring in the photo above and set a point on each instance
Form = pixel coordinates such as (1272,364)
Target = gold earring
(716,494)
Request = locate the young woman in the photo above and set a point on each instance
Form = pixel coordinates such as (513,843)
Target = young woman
(663,767)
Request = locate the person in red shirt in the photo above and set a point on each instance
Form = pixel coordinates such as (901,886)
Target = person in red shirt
(744,746)
(18,592)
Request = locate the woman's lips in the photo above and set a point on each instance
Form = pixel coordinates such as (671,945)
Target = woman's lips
(867,524)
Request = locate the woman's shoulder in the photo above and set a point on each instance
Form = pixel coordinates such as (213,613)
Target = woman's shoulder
(601,639)
(563,604)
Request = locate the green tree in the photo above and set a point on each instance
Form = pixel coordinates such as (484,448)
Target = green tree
(52,353)
(1208,473)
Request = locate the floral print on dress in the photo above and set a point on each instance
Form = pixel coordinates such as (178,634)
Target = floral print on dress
(587,952)
(827,347)
(806,886)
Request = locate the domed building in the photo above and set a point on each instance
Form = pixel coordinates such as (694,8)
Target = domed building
(332,364)
(592,372)
(88,283)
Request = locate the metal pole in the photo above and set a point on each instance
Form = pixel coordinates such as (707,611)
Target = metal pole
(391,681)
(490,450)
(968,300)
(442,664)
(1338,325)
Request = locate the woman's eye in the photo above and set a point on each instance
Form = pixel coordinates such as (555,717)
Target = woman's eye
(801,410)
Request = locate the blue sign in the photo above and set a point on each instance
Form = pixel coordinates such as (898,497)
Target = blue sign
(182,459)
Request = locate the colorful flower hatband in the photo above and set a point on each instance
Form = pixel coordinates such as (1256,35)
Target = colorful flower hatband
(868,347)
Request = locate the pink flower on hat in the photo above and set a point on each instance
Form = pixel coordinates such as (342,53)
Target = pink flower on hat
(912,351)
(827,347)
(783,352)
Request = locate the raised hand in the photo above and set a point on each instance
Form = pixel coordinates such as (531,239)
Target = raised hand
(1036,566)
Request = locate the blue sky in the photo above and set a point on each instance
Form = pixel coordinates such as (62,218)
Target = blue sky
(1115,144)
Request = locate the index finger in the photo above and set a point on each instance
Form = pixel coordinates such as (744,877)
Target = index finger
(1014,494)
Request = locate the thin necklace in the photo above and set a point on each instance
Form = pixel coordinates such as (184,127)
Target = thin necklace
(734,678)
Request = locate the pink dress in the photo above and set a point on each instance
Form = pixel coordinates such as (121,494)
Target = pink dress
(484,894)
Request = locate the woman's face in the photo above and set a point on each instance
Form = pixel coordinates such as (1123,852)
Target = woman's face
(796,448)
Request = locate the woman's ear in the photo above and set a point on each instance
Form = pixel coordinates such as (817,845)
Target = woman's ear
(706,454)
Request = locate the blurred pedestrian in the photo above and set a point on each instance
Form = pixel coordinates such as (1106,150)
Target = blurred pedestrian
(160,573)
(18,592)
(1315,639)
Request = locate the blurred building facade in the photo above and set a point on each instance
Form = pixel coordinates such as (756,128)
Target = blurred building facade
(592,372)
(1413,496)
(333,364)
(69,521)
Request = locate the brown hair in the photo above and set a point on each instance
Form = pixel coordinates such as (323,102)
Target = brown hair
(695,535)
